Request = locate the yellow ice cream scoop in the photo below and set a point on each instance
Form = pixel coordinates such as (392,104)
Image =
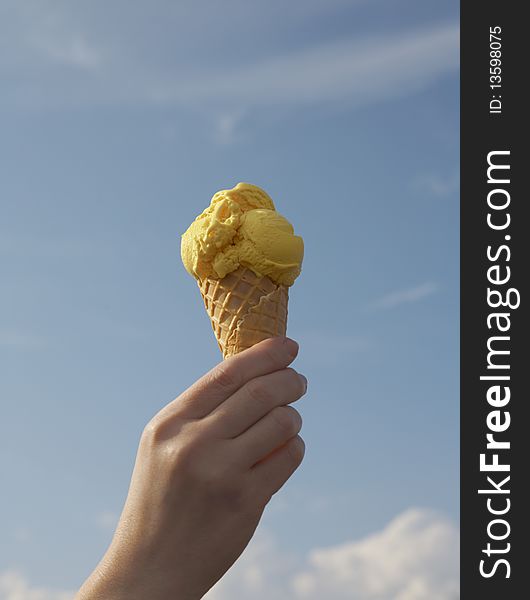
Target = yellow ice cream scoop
(244,255)
(241,228)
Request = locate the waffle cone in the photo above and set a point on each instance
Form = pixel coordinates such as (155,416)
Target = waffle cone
(244,309)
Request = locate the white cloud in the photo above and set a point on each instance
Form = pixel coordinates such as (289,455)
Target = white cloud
(14,586)
(415,557)
(263,572)
(131,68)
(406,296)
(107,520)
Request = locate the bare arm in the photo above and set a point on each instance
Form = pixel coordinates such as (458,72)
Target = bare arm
(207,465)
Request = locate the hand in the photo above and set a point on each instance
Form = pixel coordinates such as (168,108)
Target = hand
(207,465)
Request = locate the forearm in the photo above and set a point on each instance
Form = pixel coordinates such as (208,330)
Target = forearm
(111,580)
(98,587)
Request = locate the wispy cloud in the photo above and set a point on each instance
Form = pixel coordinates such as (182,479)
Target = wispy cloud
(354,70)
(19,340)
(358,71)
(22,535)
(228,127)
(45,35)
(437,185)
(73,51)
(406,296)
(415,557)
(329,348)
(14,586)
(107,520)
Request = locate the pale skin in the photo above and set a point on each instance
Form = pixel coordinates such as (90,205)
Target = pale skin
(207,465)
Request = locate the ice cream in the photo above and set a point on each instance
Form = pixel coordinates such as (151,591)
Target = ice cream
(242,228)
(244,256)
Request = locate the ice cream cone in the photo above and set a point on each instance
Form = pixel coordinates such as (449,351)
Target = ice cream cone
(238,236)
(244,309)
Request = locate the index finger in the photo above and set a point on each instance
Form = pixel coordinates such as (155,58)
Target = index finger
(228,376)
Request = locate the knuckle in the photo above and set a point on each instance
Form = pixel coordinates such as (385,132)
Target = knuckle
(231,498)
(154,431)
(287,418)
(295,382)
(291,373)
(206,467)
(162,429)
(259,390)
(186,454)
(187,466)
(274,352)
(151,430)
(225,377)
(296,450)
(220,484)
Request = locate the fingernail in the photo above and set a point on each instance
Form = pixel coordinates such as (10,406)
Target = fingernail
(304,381)
(291,346)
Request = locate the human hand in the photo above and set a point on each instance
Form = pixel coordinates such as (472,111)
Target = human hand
(207,465)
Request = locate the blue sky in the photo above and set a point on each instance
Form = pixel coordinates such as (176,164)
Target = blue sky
(118,122)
